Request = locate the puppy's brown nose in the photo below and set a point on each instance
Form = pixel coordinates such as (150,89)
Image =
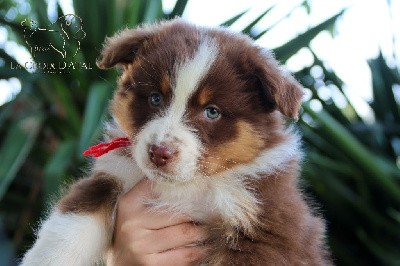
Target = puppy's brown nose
(160,155)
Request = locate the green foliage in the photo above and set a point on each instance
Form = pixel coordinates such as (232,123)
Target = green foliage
(350,166)
(290,48)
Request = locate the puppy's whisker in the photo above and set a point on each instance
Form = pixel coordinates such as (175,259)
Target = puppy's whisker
(212,170)
(150,63)
(144,70)
(221,158)
(217,164)
(107,81)
(146,84)
(129,87)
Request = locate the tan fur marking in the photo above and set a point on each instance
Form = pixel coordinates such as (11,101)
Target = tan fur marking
(242,149)
(204,96)
(165,84)
(137,63)
(118,107)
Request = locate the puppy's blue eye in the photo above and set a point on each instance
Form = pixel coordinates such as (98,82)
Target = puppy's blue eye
(156,99)
(211,113)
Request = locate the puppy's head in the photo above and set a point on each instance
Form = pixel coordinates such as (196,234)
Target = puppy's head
(195,101)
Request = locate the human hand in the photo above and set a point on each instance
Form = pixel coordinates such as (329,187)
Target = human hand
(143,237)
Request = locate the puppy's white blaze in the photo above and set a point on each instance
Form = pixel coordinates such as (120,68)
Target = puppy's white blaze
(188,75)
(123,168)
(170,127)
(68,239)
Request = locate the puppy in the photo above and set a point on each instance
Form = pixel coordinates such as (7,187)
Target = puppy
(203,112)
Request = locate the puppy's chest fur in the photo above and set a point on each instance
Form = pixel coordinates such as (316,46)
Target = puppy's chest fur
(229,195)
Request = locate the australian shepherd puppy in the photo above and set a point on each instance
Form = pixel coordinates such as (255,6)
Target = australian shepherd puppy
(203,110)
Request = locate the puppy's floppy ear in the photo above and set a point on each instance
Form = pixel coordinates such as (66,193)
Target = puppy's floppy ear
(123,46)
(278,84)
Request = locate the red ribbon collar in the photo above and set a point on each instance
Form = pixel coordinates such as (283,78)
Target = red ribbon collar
(102,148)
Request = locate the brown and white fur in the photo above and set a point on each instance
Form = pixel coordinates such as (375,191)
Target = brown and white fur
(203,109)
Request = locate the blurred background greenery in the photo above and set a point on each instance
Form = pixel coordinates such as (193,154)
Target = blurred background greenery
(351,167)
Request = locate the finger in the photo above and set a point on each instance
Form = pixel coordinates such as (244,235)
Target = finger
(178,257)
(159,219)
(177,236)
(147,218)
(133,232)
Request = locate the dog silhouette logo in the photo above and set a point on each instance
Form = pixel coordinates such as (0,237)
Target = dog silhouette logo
(62,36)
